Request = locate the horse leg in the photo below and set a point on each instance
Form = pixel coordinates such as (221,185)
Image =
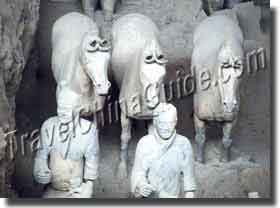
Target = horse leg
(125,138)
(227,141)
(89,7)
(200,138)
(108,7)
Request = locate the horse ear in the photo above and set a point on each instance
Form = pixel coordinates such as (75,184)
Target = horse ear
(225,51)
(226,46)
(151,45)
(232,48)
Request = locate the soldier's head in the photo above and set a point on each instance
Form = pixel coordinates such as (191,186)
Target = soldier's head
(165,120)
(68,104)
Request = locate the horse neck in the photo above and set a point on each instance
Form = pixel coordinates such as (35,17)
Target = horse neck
(81,81)
(131,76)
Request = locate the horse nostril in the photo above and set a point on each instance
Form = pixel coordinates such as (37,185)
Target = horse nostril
(109,84)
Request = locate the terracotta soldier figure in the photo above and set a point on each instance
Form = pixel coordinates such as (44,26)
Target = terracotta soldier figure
(161,157)
(68,154)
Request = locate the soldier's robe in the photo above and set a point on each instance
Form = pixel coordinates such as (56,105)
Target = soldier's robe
(71,159)
(161,162)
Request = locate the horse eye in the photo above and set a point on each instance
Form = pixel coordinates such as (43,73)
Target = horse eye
(105,42)
(93,43)
(226,65)
(237,67)
(161,57)
(149,59)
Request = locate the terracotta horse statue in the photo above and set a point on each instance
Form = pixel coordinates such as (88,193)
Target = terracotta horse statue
(218,52)
(80,60)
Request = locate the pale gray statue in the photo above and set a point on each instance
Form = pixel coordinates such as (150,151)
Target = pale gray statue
(89,7)
(218,63)
(80,59)
(138,65)
(161,157)
(68,156)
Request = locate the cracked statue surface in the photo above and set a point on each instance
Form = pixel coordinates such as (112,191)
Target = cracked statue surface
(161,157)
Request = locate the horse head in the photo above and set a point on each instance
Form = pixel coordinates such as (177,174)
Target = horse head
(152,72)
(95,56)
(230,70)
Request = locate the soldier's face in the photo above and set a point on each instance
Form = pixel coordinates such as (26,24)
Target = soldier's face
(165,129)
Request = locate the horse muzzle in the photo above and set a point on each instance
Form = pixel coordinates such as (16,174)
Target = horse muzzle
(230,107)
(103,89)
(153,102)
(152,95)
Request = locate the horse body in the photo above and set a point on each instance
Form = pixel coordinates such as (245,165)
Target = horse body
(218,51)
(76,66)
(139,68)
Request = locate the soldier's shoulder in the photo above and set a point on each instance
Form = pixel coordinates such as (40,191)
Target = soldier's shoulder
(147,139)
(52,121)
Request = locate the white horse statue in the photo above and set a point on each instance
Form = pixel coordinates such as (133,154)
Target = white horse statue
(80,60)
(218,52)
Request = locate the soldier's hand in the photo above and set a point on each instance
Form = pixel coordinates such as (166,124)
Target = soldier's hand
(189,194)
(146,189)
(84,191)
(43,175)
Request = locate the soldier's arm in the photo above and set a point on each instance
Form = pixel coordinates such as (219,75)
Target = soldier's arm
(92,158)
(41,171)
(45,143)
(188,171)
(138,176)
